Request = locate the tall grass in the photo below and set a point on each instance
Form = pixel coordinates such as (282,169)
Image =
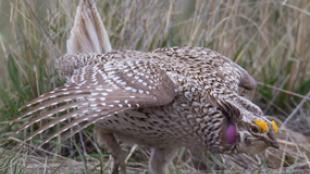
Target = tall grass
(269,38)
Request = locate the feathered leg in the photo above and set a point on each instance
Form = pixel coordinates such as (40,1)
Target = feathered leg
(160,159)
(107,139)
(199,160)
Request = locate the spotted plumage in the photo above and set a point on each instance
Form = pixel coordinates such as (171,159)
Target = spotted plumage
(171,97)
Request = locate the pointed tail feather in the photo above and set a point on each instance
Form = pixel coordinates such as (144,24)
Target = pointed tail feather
(48,115)
(78,124)
(52,124)
(49,100)
(73,102)
(88,34)
(75,127)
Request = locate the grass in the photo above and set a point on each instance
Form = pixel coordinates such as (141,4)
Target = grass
(270,38)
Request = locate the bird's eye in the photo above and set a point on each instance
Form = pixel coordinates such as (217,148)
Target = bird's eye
(255,129)
(262,125)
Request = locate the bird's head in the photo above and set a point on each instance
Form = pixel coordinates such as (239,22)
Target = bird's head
(246,130)
(248,133)
(257,135)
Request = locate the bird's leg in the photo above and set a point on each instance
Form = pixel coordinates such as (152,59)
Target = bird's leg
(199,160)
(106,139)
(160,159)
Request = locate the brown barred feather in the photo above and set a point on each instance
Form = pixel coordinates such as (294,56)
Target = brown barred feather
(166,99)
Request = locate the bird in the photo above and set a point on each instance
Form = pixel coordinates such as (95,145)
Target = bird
(164,99)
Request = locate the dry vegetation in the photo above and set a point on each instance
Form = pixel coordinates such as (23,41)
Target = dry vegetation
(270,38)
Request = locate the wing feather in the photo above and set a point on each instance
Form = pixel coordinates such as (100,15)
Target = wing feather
(223,79)
(98,92)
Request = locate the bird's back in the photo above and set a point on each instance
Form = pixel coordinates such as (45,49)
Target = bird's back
(168,96)
(188,118)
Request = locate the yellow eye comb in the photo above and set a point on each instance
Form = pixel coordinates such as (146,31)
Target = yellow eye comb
(275,126)
(262,124)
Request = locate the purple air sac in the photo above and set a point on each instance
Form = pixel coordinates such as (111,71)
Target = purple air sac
(231,134)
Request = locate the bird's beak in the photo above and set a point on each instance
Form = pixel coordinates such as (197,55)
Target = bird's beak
(271,140)
(274,144)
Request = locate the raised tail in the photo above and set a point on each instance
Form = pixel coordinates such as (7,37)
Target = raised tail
(88,34)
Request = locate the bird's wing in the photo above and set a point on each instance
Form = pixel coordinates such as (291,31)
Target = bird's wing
(222,78)
(98,91)
(224,92)
(227,86)
(224,84)
(233,76)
